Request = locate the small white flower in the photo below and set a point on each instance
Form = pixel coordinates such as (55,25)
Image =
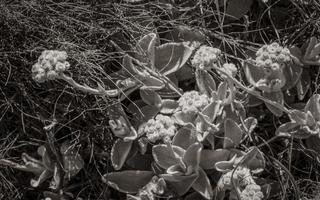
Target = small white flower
(50,65)
(192,101)
(205,56)
(160,128)
(252,192)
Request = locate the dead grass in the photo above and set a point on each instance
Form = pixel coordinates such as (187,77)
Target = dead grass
(84,29)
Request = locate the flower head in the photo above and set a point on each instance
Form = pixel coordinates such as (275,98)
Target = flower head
(241,175)
(50,65)
(192,101)
(229,68)
(251,192)
(205,56)
(160,128)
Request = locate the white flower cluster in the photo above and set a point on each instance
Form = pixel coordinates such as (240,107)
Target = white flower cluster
(50,65)
(160,128)
(229,68)
(251,192)
(272,58)
(241,175)
(192,101)
(205,56)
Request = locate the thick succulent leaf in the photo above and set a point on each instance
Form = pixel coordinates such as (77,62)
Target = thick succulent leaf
(140,162)
(186,34)
(287,129)
(180,184)
(205,82)
(296,54)
(176,170)
(255,160)
(72,160)
(56,180)
(250,123)
(128,66)
(152,83)
(232,134)
(146,48)
(41,178)
(128,181)
(164,157)
(202,185)
(149,112)
(298,116)
(45,157)
(35,169)
(171,57)
(212,110)
(252,72)
(253,101)
(192,158)
(313,105)
(236,111)
(150,97)
(143,144)
(210,157)
(184,138)
(222,91)
(303,85)
(238,8)
(184,118)
(119,153)
(276,97)
(312,42)
(195,195)
(292,73)
(169,106)
(225,166)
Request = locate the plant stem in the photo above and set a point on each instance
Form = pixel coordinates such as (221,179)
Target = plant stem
(87,89)
(252,92)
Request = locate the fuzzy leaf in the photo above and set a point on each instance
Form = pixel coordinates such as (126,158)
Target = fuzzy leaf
(152,83)
(255,160)
(128,66)
(180,184)
(303,85)
(232,134)
(205,82)
(168,106)
(149,112)
(202,185)
(222,91)
(150,97)
(253,73)
(184,138)
(276,97)
(226,165)
(250,124)
(313,105)
(296,55)
(164,157)
(128,181)
(210,157)
(292,129)
(119,153)
(292,73)
(192,157)
(238,8)
(171,57)
(146,48)
(184,118)
(212,110)
(72,160)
